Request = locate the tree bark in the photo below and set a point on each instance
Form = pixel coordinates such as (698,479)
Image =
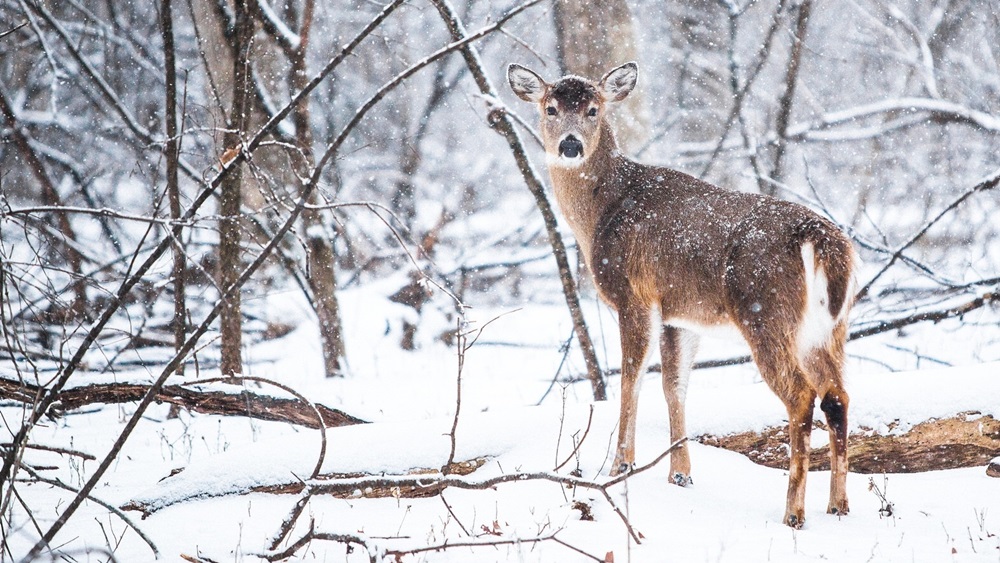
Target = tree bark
(591,40)
(172,154)
(230,256)
(321,261)
(502,124)
(242,403)
(788,97)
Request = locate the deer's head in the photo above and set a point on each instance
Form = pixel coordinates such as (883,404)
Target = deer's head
(572,108)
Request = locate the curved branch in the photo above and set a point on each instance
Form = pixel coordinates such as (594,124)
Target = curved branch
(232,289)
(41,408)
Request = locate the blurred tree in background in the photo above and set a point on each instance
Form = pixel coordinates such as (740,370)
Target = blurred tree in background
(883,115)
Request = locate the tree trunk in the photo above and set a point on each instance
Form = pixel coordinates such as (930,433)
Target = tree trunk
(230,260)
(50,196)
(785,103)
(591,40)
(322,263)
(172,154)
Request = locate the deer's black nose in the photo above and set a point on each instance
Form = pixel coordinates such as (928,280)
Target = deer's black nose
(570,147)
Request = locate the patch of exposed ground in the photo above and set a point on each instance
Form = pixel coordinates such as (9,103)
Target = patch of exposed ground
(966,440)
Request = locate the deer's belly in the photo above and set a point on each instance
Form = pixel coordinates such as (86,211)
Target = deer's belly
(723,330)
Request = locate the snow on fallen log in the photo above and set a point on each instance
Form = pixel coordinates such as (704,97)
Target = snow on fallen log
(392,459)
(228,401)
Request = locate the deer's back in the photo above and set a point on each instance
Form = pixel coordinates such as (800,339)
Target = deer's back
(684,245)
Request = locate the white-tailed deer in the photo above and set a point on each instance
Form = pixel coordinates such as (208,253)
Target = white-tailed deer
(704,257)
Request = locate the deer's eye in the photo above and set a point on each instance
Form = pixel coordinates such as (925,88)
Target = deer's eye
(592,112)
(551,110)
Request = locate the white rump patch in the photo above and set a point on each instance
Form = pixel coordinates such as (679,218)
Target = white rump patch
(817,322)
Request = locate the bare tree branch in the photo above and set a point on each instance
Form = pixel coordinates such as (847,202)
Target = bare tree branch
(75,361)
(227,292)
(502,123)
(734,112)
(986,184)
(788,96)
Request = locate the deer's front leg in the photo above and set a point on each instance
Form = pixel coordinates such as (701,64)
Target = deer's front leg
(634,323)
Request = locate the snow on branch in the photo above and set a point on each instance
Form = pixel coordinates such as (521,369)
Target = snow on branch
(941,111)
(189,396)
(288,39)
(903,112)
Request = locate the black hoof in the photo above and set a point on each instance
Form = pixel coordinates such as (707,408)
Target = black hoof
(681,480)
(838,508)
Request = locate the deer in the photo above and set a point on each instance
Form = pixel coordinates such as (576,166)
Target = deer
(660,242)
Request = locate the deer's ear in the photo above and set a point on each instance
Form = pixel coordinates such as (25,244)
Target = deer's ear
(619,82)
(526,84)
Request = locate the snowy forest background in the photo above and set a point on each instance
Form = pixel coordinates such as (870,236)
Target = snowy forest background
(358,178)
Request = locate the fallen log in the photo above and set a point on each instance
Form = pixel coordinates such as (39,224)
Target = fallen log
(241,403)
(965,440)
(416,483)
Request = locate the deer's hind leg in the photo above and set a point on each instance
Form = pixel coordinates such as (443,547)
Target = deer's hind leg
(635,326)
(825,369)
(780,368)
(677,350)
(800,422)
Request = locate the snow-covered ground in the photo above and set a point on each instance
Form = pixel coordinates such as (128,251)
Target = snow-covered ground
(731,513)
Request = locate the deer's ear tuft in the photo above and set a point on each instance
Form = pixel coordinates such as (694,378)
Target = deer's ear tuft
(526,84)
(619,82)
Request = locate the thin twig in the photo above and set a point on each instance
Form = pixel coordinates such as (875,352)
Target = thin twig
(482,543)
(261,258)
(590,418)
(55,449)
(321,424)
(986,184)
(454,516)
(460,342)
(12,30)
(109,507)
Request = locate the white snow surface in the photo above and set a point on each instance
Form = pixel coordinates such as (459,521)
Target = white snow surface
(732,512)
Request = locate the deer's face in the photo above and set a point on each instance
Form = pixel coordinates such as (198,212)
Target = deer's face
(571,109)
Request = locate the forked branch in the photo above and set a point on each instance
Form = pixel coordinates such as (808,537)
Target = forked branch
(331,151)
(419,486)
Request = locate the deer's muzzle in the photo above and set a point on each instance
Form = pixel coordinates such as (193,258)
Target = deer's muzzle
(571,147)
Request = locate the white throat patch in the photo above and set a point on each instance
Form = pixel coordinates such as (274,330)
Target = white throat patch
(555,160)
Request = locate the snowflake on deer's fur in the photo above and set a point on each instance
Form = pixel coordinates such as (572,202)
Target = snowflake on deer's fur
(659,240)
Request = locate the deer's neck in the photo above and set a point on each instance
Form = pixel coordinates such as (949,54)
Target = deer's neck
(584,192)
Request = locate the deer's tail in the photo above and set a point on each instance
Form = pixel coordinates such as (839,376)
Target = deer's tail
(829,261)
